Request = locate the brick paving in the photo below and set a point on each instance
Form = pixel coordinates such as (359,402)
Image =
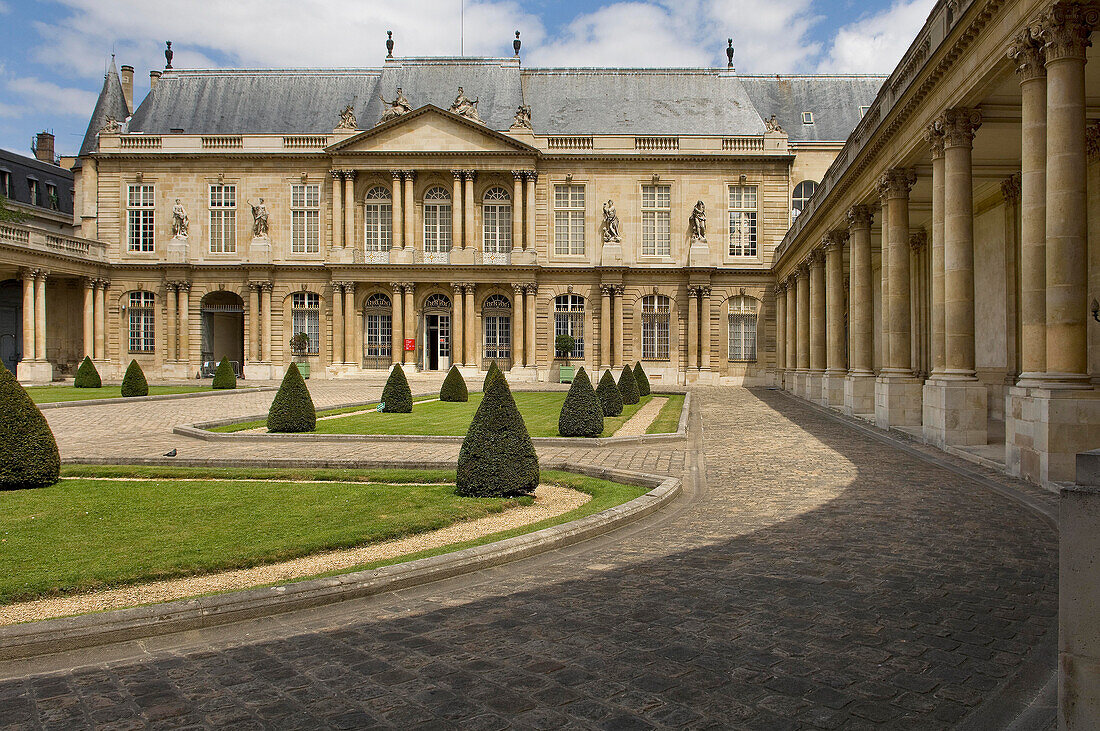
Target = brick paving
(811,577)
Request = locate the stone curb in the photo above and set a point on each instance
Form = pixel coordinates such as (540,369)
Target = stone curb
(70,633)
(199,430)
(159,397)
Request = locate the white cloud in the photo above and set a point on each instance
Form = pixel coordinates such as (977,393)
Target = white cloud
(876,43)
(45,96)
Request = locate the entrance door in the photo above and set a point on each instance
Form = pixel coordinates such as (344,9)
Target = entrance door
(11,324)
(222,331)
(437,343)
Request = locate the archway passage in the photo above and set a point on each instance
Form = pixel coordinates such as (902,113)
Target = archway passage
(222,331)
(11,318)
(436,336)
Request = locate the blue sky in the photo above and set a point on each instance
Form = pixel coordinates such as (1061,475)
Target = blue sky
(53,52)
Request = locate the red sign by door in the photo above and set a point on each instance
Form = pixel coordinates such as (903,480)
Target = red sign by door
(410,344)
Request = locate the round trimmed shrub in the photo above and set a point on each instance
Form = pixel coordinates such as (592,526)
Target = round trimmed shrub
(134,383)
(292,409)
(87,376)
(641,379)
(396,396)
(608,393)
(454,387)
(492,373)
(628,387)
(497,458)
(581,414)
(224,377)
(28,451)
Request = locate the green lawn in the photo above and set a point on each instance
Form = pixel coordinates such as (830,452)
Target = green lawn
(668,419)
(53,394)
(84,534)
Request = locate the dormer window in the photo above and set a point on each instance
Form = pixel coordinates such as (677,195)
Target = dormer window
(807,117)
(863,109)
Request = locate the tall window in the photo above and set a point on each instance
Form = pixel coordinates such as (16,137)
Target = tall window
(223,219)
(497,217)
(305,313)
(569,219)
(569,320)
(379,324)
(437,224)
(140,218)
(497,317)
(742,209)
(801,196)
(305,218)
(51,197)
(141,311)
(5,184)
(656,206)
(32,187)
(743,329)
(378,219)
(655,327)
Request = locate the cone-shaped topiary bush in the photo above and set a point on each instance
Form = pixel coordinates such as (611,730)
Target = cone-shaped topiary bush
(628,387)
(454,387)
(87,376)
(581,414)
(497,458)
(396,396)
(134,383)
(608,393)
(641,379)
(493,372)
(28,452)
(292,410)
(224,377)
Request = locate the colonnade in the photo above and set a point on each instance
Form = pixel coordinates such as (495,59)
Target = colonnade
(259,322)
(179,320)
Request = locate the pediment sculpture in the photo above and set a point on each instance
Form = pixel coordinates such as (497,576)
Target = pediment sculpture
(465,107)
(400,105)
(347,118)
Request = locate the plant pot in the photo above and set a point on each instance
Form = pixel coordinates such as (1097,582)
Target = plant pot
(566,373)
(303,368)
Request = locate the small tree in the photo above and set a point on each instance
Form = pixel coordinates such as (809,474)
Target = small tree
(299,344)
(628,387)
(87,376)
(396,396)
(497,458)
(28,451)
(493,372)
(581,414)
(564,345)
(641,379)
(454,387)
(134,383)
(608,393)
(292,409)
(224,377)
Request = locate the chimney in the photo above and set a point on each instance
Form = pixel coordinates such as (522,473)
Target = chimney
(126,75)
(154,77)
(43,147)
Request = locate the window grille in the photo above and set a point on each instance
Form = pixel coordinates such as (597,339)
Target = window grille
(497,316)
(140,218)
(497,222)
(378,220)
(655,327)
(142,330)
(305,218)
(742,210)
(569,219)
(437,225)
(742,329)
(379,322)
(438,301)
(305,312)
(223,219)
(569,320)
(656,208)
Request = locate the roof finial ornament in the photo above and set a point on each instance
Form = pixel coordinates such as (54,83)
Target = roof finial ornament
(389,44)
(168,55)
(729,55)
(516,44)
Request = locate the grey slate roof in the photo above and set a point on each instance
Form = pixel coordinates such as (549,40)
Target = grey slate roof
(834,101)
(23,168)
(111,102)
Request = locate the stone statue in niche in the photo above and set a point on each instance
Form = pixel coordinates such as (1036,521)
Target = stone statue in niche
(610,224)
(699,222)
(111,126)
(259,220)
(180,222)
(465,107)
(347,118)
(523,118)
(772,125)
(400,105)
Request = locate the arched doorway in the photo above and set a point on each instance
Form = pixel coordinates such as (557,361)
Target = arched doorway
(436,330)
(378,331)
(222,331)
(11,319)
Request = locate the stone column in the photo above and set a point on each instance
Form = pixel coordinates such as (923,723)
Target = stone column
(832,387)
(29,276)
(266,288)
(693,329)
(859,388)
(517,210)
(458,341)
(337,209)
(253,322)
(803,283)
(884,280)
(471,330)
(171,291)
(89,319)
(101,319)
(397,214)
(606,326)
(456,209)
(468,218)
(349,208)
(529,336)
(617,346)
(791,363)
(410,210)
(780,330)
(185,321)
(349,325)
(705,329)
(410,307)
(40,316)
(397,325)
(934,136)
(917,241)
(519,357)
(337,323)
(817,326)
(529,210)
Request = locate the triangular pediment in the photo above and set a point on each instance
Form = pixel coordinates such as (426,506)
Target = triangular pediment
(430,129)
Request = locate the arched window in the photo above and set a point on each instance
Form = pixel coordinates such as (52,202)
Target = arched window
(378,220)
(497,226)
(569,320)
(655,327)
(437,225)
(378,321)
(305,315)
(496,315)
(438,301)
(141,311)
(742,324)
(801,196)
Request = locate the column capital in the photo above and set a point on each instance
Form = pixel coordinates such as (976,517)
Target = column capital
(1010,188)
(959,125)
(815,259)
(693,291)
(1026,50)
(253,286)
(336,174)
(397,287)
(780,287)
(457,174)
(1064,30)
(183,286)
(1092,139)
(933,135)
(456,287)
(896,182)
(267,286)
(469,174)
(860,216)
(337,287)
(409,287)
(104,283)
(704,290)
(517,175)
(397,174)
(619,289)
(834,240)
(517,289)
(90,283)
(607,289)
(408,174)
(802,270)
(531,175)
(350,174)
(532,288)
(918,239)
(28,273)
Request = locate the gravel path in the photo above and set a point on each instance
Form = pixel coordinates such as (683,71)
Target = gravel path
(637,425)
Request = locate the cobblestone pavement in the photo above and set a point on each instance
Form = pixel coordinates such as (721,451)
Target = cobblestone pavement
(811,577)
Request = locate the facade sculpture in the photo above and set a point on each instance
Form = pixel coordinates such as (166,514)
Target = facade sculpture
(347,118)
(400,105)
(111,126)
(771,124)
(699,222)
(523,117)
(465,107)
(259,220)
(611,223)
(180,222)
